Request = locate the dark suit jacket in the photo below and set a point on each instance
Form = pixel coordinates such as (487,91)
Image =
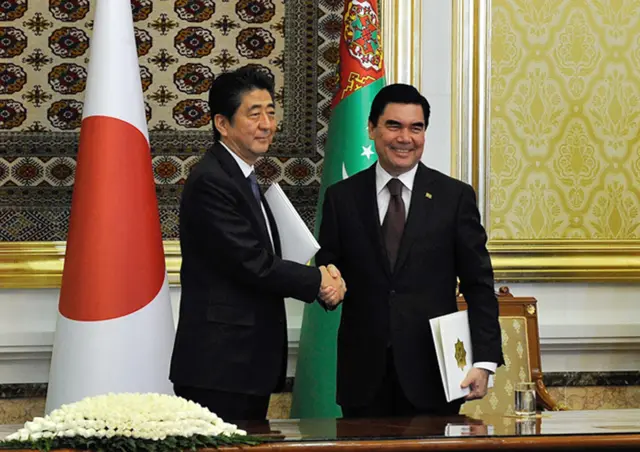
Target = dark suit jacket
(443,239)
(232,332)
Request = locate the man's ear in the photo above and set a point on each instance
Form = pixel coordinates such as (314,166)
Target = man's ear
(221,123)
(371,129)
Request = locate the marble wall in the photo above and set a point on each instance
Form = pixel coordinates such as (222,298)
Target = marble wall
(573,390)
(21,410)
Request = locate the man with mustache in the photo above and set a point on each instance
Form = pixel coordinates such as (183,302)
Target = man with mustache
(401,234)
(230,351)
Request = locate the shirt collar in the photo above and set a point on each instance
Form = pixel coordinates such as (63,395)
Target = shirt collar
(244,166)
(382,178)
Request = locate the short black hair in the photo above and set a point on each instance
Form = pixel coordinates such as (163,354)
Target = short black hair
(225,95)
(398,93)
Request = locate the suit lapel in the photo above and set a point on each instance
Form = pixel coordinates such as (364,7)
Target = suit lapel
(367,200)
(232,168)
(420,213)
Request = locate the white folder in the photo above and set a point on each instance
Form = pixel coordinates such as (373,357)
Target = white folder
(296,241)
(449,330)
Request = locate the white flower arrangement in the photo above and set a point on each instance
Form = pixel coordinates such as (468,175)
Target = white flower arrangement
(154,417)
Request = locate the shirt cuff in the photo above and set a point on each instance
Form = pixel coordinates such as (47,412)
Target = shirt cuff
(491,367)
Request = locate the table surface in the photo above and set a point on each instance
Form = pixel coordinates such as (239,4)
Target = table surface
(597,422)
(593,427)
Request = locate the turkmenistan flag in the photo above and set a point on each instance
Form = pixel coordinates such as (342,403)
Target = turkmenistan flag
(348,150)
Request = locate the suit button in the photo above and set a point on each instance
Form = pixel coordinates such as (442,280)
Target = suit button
(392,293)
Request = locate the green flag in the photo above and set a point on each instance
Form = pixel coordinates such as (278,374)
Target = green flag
(348,150)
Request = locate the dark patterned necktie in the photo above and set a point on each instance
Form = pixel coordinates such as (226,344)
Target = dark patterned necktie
(253,181)
(393,223)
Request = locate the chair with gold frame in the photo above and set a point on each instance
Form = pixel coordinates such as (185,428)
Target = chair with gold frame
(521,351)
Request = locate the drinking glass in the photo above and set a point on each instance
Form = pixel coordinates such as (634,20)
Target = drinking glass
(525,399)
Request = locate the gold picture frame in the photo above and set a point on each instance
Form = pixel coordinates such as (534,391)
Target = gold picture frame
(543,260)
(26,265)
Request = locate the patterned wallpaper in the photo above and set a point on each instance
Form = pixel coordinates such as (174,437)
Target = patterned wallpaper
(182,44)
(565,118)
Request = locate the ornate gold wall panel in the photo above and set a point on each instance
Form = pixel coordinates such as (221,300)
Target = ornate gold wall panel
(564,120)
(559,124)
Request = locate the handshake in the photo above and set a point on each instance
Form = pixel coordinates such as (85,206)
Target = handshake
(332,287)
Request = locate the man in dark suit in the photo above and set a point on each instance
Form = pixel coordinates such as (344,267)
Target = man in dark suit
(230,350)
(401,234)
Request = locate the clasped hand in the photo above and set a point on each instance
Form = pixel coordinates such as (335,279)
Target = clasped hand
(332,287)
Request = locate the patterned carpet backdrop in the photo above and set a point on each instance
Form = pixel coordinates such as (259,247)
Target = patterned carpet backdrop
(182,45)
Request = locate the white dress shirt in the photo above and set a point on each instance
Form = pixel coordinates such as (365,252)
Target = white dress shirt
(382,178)
(246,170)
(383,195)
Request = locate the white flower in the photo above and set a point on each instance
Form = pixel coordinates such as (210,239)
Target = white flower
(33,426)
(150,416)
(49,424)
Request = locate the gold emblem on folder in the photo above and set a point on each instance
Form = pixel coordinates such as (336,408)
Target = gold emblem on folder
(428,195)
(461,355)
